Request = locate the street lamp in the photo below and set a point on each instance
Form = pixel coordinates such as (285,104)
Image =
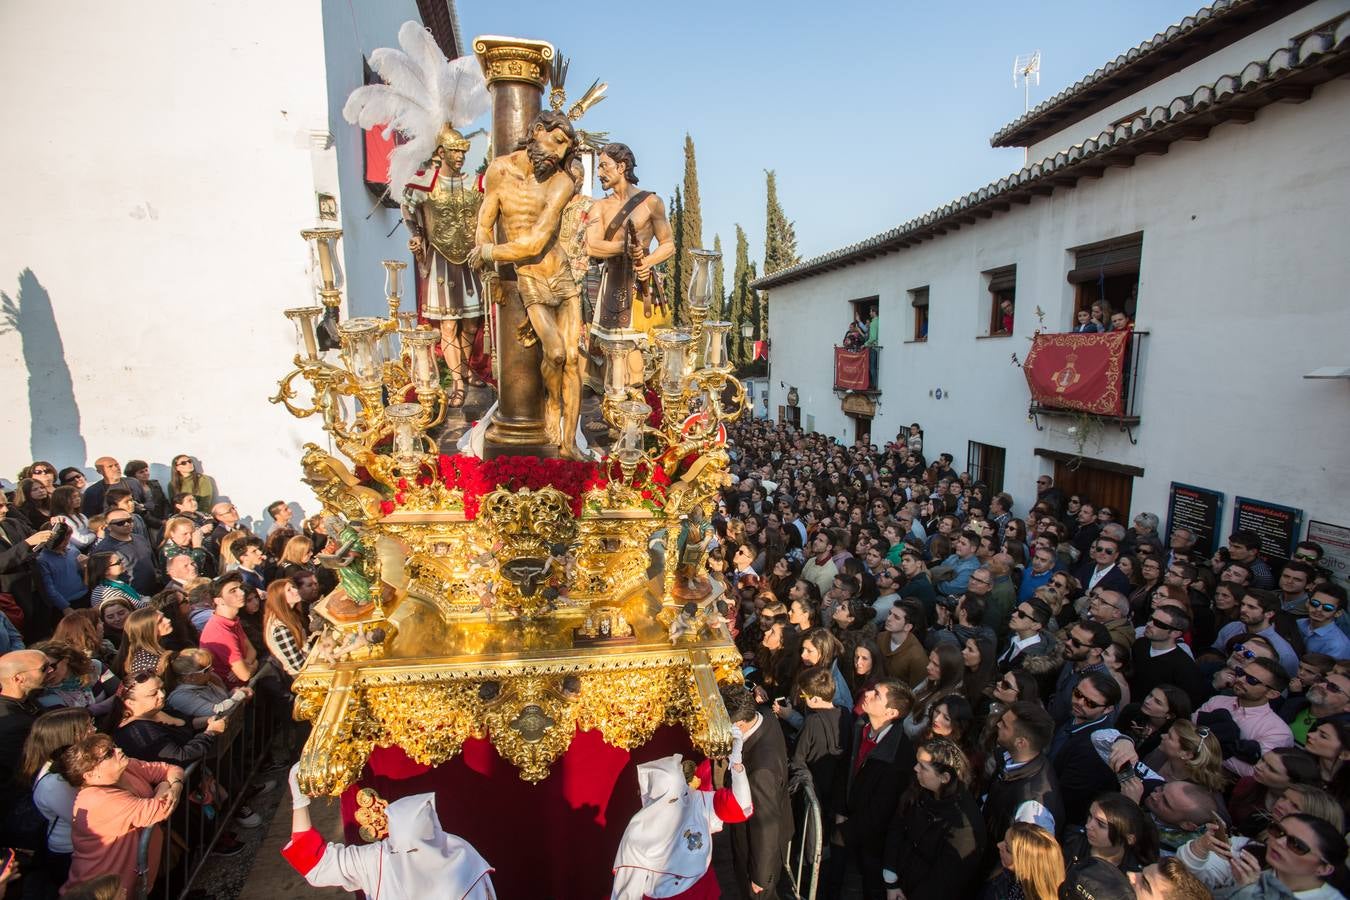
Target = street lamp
(747,334)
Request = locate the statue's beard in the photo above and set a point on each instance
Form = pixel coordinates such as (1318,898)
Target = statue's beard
(544,163)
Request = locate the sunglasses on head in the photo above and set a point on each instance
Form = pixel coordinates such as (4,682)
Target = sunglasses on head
(1297,845)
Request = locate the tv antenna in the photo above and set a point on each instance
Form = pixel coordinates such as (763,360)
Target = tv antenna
(1026,68)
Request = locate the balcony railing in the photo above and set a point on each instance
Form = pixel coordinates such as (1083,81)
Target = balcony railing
(1131,366)
(856,370)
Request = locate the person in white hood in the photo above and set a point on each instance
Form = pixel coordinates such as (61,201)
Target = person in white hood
(417,860)
(666,849)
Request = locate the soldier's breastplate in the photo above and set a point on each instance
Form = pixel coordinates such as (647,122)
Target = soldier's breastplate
(452,219)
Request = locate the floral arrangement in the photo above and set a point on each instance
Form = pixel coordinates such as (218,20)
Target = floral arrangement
(475,478)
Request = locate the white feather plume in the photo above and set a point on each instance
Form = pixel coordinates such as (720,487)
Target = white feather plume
(422,92)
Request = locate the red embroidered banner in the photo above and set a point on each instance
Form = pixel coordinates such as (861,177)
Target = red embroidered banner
(850,370)
(1078,371)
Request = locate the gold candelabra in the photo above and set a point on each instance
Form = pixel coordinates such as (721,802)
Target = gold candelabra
(380,361)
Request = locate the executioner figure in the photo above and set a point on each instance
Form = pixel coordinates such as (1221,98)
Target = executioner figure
(441,212)
(526,192)
(619,232)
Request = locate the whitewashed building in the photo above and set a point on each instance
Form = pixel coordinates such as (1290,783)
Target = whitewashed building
(163,159)
(1202,180)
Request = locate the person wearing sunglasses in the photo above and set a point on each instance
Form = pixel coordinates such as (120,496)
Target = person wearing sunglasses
(1161,659)
(22,673)
(1099,569)
(1260,728)
(1302,852)
(1082,773)
(1321,631)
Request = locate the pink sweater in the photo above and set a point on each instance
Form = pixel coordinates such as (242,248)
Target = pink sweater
(105,829)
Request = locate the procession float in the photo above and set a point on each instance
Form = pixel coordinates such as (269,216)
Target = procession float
(518,618)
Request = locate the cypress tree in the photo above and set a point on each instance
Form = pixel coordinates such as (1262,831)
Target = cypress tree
(675,265)
(780,239)
(691,222)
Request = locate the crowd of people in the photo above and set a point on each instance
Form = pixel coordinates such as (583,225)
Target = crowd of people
(138,625)
(1004,696)
(989,696)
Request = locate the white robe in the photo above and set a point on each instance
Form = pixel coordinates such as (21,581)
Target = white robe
(418,861)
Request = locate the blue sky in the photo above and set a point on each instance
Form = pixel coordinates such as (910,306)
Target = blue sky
(870,113)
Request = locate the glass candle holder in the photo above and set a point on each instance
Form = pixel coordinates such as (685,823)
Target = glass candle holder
(393,271)
(617,351)
(306,340)
(361,349)
(420,345)
(715,344)
(628,448)
(324,257)
(674,347)
(407,449)
(701,279)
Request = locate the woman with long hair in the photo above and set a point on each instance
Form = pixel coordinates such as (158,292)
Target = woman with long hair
(34,503)
(945,675)
(187,478)
(953,720)
(106,575)
(1329,742)
(980,661)
(782,576)
(820,648)
(865,671)
(1151,571)
(1302,852)
(1033,865)
(1118,662)
(1147,721)
(83,629)
(54,797)
(66,507)
(1255,795)
(113,613)
(226,560)
(142,650)
(1190,752)
(296,557)
(116,799)
(1117,831)
(77,681)
(937,836)
(283,631)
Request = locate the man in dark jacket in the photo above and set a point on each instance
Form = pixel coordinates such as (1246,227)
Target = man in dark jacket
(1099,569)
(1025,787)
(21,673)
(757,845)
(1082,774)
(880,764)
(19,572)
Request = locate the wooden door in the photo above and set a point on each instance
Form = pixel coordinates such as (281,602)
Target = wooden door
(1098,486)
(862,430)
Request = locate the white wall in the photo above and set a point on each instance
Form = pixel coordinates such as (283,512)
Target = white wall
(1226,61)
(1242,288)
(161,167)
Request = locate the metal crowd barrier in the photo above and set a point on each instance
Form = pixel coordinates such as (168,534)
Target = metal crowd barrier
(803,851)
(194,827)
